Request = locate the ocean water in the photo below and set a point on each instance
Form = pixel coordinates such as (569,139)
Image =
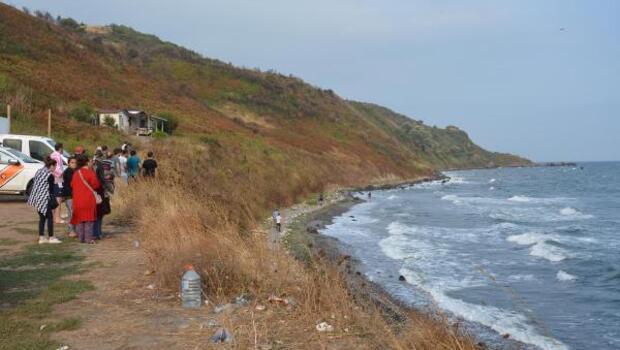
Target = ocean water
(533,252)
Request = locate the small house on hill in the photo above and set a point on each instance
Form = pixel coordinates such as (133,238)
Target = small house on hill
(132,121)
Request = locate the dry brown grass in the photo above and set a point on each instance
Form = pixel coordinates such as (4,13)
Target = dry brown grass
(182,220)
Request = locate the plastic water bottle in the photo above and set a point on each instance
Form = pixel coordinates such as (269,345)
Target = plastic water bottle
(191,289)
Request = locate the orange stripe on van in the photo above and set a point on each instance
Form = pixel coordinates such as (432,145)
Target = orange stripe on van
(9,173)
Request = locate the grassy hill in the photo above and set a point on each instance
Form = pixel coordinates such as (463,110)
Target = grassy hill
(59,64)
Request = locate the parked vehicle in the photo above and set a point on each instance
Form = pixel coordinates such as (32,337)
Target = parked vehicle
(16,171)
(37,147)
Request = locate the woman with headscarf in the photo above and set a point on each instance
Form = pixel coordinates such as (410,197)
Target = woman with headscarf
(84,186)
(43,198)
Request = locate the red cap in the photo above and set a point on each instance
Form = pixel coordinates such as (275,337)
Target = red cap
(79,150)
(189,267)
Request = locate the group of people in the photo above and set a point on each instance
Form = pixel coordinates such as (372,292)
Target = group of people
(85,186)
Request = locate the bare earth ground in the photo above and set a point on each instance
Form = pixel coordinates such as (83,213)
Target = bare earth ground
(126,310)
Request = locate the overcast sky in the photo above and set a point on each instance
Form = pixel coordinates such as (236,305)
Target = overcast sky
(537,78)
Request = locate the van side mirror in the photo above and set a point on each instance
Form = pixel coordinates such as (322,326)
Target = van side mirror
(14,162)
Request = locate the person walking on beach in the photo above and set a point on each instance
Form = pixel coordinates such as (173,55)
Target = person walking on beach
(84,185)
(58,183)
(133,165)
(369,195)
(149,166)
(279,222)
(67,195)
(43,199)
(321,199)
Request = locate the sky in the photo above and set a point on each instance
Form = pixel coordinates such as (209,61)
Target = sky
(536,78)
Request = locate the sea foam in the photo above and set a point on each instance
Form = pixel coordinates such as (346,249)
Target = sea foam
(540,246)
(574,213)
(520,199)
(565,276)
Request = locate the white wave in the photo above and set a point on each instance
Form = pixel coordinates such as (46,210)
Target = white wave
(574,213)
(457,180)
(534,214)
(565,276)
(502,321)
(528,238)
(527,277)
(569,211)
(492,181)
(396,228)
(547,251)
(452,198)
(491,188)
(401,245)
(392,197)
(539,246)
(395,247)
(524,199)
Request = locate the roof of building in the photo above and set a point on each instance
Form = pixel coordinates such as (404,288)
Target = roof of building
(108,111)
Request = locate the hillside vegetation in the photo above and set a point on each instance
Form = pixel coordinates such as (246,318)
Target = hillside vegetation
(58,64)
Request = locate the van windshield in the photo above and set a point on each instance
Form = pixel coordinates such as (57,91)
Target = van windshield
(22,157)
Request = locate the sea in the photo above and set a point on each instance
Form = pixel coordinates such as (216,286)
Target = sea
(531,253)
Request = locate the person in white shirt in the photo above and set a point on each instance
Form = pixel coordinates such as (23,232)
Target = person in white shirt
(122,161)
(279,222)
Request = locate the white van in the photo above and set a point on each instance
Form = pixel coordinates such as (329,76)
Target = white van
(16,171)
(37,147)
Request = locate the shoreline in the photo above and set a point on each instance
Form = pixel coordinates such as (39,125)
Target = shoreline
(306,226)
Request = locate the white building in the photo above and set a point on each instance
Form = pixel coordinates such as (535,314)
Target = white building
(131,121)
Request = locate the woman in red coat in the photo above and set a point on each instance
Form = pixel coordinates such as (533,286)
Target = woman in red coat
(83,186)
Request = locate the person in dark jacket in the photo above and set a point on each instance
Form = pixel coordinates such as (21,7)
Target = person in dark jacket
(104,169)
(67,193)
(43,198)
(149,166)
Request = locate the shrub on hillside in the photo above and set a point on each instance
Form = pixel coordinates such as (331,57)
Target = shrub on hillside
(159,134)
(83,112)
(70,23)
(172,124)
(109,121)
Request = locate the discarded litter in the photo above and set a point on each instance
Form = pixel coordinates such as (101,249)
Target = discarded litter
(64,347)
(150,286)
(222,335)
(191,289)
(277,300)
(136,243)
(242,300)
(219,308)
(42,327)
(324,327)
(260,307)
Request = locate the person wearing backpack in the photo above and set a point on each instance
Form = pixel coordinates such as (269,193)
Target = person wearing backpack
(104,169)
(84,186)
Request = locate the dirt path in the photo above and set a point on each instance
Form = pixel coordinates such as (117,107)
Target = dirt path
(125,310)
